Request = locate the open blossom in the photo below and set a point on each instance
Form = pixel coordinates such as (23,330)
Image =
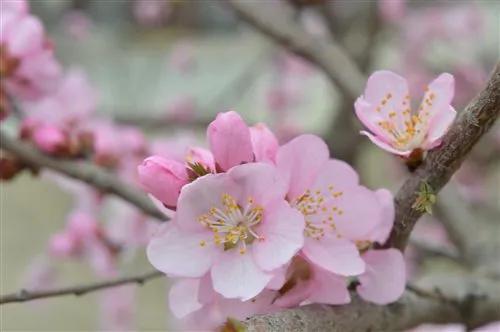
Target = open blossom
(343,219)
(27,62)
(197,307)
(385,110)
(236,225)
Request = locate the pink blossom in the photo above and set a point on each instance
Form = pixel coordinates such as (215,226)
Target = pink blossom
(385,110)
(77,24)
(265,144)
(392,11)
(117,308)
(28,66)
(82,225)
(182,109)
(163,178)
(308,283)
(197,307)
(230,141)
(151,12)
(50,139)
(182,57)
(235,225)
(63,244)
(343,218)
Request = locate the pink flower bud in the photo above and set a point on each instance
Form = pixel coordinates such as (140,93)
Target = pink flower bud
(265,144)
(82,225)
(163,178)
(229,139)
(49,139)
(62,244)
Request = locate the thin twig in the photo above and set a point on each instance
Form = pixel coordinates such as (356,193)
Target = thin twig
(26,295)
(275,20)
(80,170)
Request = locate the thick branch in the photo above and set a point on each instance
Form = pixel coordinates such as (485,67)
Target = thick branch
(83,171)
(415,307)
(275,20)
(441,163)
(24,295)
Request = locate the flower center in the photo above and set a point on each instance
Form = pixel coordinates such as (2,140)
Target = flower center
(232,225)
(320,211)
(410,131)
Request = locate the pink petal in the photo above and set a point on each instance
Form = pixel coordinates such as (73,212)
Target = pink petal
(282,229)
(438,126)
(299,161)
(27,37)
(352,210)
(236,275)
(335,255)
(382,231)
(329,288)
(385,277)
(265,144)
(163,178)
(229,139)
(381,144)
(199,196)
(183,297)
(380,85)
(179,253)
(258,181)
(295,296)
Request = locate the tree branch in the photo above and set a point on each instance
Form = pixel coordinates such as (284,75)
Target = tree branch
(83,171)
(276,21)
(474,308)
(25,295)
(441,163)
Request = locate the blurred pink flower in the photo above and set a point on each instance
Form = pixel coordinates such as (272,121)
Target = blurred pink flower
(182,57)
(151,12)
(392,11)
(28,67)
(230,141)
(117,309)
(265,144)
(385,110)
(198,307)
(235,225)
(163,178)
(77,24)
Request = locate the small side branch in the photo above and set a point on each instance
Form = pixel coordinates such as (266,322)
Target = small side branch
(25,295)
(441,163)
(275,21)
(83,171)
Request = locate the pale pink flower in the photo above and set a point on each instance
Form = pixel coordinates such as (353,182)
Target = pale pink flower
(265,144)
(50,139)
(386,111)
(230,141)
(63,244)
(310,284)
(197,307)
(343,218)
(163,178)
(151,12)
(182,57)
(117,309)
(182,108)
(77,24)
(29,69)
(236,225)
(392,11)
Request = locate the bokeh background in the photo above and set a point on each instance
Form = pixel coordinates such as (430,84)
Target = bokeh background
(170,66)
